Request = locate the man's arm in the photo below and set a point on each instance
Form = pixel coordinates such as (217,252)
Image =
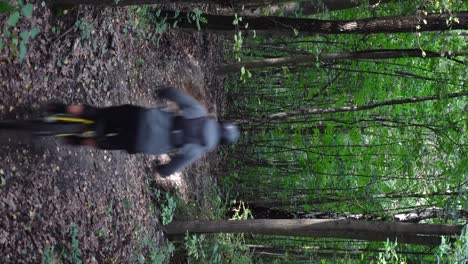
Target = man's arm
(191,107)
(188,154)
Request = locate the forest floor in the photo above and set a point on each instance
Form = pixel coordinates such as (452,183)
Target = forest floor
(55,198)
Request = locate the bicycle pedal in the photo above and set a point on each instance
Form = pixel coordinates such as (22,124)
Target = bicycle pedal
(49,119)
(89,134)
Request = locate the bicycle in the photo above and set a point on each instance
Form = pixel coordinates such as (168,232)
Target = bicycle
(54,125)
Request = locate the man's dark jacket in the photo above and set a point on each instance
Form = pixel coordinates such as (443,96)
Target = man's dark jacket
(191,132)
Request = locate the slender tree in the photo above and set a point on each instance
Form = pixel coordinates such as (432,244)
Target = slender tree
(414,216)
(422,234)
(331,199)
(297,254)
(319,111)
(280,25)
(125,2)
(291,8)
(334,249)
(330,57)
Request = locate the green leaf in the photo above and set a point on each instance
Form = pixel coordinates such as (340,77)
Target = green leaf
(1,44)
(5,7)
(6,32)
(25,35)
(27,10)
(34,32)
(23,50)
(14,41)
(13,19)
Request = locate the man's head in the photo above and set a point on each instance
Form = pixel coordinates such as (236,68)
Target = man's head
(229,133)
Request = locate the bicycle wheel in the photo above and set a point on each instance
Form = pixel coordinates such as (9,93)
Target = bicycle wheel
(41,128)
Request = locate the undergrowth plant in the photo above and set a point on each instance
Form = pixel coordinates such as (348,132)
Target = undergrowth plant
(55,255)
(237,47)
(85,28)
(168,205)
(454,252)
(390,255)
(148,252)
(200,248)
(74,255)
(50,256)
(219,248)
(14,37)
(150,23)
(196,16)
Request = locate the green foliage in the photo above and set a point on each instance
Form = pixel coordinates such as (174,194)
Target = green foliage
(167,205)
(74,255)
(196,15)
(216,249)
(50,256)
(454,252)
(27,10)
(349,161)
(390,255)
(150,23)
(440,6)
(194,246)
(161,255)
(17,41)
(85,28)
(160,24)
(148,252)
(2,181)
(5,7)
(219,248)
(245,74)
(237,45)
(139,62)
(139,17)
(237,48)
(102,233)
(168,211)
(13,19)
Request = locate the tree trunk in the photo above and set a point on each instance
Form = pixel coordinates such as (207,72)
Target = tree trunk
(263,212)
(414,216)
(417,215)
(123,2)
(422,234)
(280,25)
(309,7)
(319,111)
(299,255)
(328,199)
(330,57)
(334,249)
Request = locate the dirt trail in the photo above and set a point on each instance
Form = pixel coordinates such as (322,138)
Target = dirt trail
(46,187)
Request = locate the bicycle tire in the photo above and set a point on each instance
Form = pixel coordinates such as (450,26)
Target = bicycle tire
(41,128)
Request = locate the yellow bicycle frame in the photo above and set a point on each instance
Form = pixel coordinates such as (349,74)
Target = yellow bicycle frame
(71,119)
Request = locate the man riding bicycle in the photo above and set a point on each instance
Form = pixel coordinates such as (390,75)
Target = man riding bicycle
(154,131)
